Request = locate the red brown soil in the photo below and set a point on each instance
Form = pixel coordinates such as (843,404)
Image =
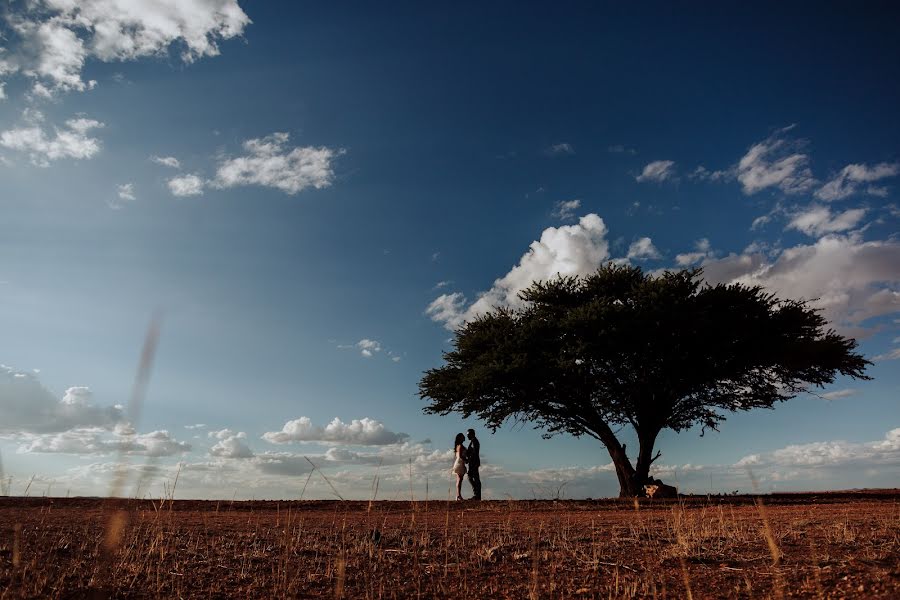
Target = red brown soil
(829,545)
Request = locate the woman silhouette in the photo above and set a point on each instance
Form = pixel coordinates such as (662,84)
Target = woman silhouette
(459,463)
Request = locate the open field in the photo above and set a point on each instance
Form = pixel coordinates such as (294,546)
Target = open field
(837,545)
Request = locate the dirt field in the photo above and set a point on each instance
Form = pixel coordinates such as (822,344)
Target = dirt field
(792,545)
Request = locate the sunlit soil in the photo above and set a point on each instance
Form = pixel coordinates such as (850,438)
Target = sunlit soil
(788,546)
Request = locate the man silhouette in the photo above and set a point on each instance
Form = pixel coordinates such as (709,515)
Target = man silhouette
(474,461)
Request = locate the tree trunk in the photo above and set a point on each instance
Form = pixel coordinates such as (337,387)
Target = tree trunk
(645,456)
(631,479)
(624,471)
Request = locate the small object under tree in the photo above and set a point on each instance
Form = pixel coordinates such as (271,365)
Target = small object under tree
(590,355)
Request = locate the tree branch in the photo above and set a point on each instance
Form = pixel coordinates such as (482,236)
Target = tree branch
(653,460)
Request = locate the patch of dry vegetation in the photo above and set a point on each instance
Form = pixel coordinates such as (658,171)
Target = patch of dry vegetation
(703,548)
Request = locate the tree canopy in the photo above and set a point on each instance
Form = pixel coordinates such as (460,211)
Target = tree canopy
(620,347)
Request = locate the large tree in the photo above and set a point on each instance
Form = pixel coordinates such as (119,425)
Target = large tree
(591,355)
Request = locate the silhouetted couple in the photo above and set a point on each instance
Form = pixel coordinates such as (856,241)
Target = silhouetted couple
(467,461)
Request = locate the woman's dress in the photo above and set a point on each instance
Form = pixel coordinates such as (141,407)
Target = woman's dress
(459,467)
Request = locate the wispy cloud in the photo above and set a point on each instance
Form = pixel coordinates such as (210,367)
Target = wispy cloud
(657,171)
(561,148)
(166,161)
(701,251)
(816,220)
(620,149)
(838,394)
(565,209)
(774,162)
(850,180)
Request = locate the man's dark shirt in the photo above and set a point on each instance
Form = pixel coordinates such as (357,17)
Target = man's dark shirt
(473,453)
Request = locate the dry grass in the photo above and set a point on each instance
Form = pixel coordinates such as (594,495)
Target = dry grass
(681,549)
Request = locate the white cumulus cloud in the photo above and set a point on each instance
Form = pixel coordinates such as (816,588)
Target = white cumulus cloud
(362,432)
(186,185)
(643,249)
(831,454)
(26,406)
(230,444)
(94,441)
(851,280)
(73,140)
(567,250)
(54,38)
(270,162)
(368,347)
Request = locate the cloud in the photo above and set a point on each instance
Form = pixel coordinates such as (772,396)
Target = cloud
(368,347)
(26,406)
(816,220)
(838,394)
(850,179)
(230,444)
(891,355)
(560,148)
(166,161)
(643,249)
(830,454)
(156,443)
(54,38)
(70,141)
(124,194)
(657,171)
(565,209)
(701,173)
(690,258)
(449,309)
(567,250)
(270,163)
(93,441)
(851,280)
(361,432)
(620,149)
(773,163)
(186,185)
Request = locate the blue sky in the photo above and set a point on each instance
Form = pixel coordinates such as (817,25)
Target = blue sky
(312,196)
